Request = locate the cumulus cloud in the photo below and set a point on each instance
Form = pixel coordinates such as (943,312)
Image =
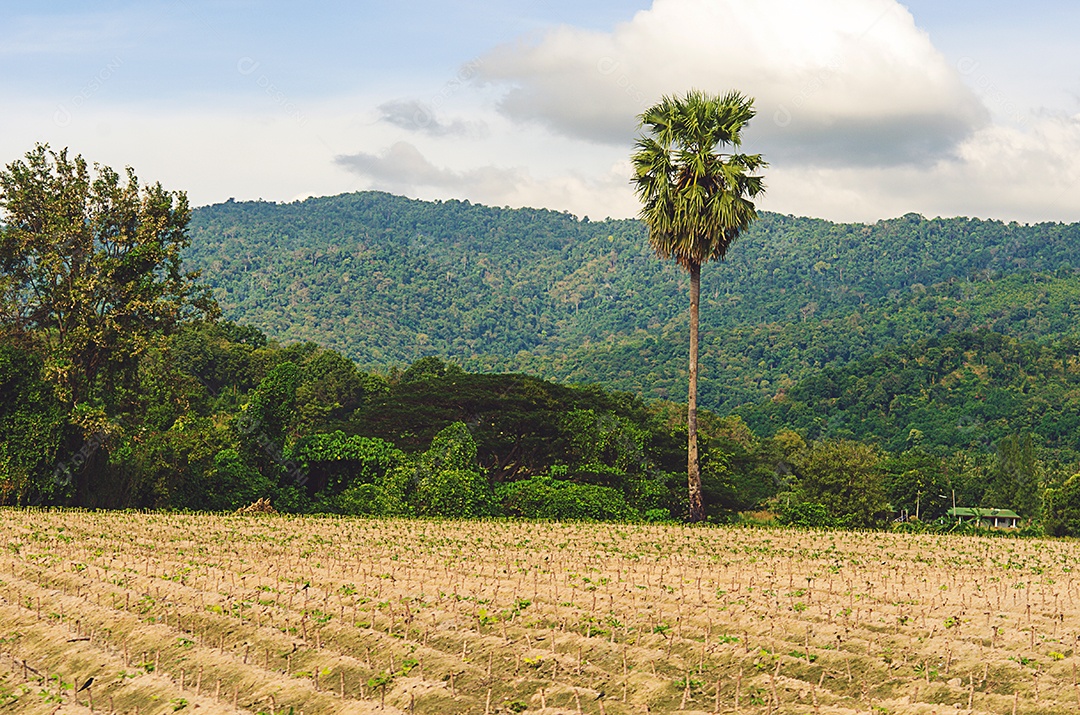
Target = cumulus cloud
(416,116)
(1029,172)
(836,81)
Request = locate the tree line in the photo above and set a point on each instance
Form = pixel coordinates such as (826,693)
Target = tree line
(224,416)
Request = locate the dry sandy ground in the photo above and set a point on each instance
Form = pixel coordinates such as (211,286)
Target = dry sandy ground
(267,613)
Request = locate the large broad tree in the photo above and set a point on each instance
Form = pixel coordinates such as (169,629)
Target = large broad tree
(696,190)
(90,282)
(90,270)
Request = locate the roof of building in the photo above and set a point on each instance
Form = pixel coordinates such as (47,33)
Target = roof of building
(983,513)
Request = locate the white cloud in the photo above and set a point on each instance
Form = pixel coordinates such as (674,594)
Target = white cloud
(1025,173)
(860,116)
(271,152)
(840,81)
(415,116)
(403,168)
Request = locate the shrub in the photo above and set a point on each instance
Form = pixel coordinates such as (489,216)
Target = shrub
(808,515)
(333,461)
(448,480)
(232,483)
(454,493)
(545,498)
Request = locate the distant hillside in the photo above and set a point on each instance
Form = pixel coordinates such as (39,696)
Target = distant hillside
(749,362)
(386,280)
(963,391)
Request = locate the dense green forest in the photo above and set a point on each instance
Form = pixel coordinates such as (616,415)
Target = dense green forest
(386,280)
(218,416)
(960,391)
(856,373)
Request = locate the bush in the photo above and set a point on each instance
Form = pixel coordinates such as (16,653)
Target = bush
(333,462)
(648,495)
(808,515)
(291,499)
(546,498)
(232,483)
(658,516)
(359,499)
(447,477)
(455,493)
(390,495)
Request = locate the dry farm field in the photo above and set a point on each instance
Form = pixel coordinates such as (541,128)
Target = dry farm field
(277,614)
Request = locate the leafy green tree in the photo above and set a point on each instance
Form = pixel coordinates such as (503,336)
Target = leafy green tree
(917,481)
(1061,508)
(449,482)
(427,368)
(266,422)
(739,470)
(32,426)
(845,478)
(91,281)
(219,355)
(332,388)
(1014,479)
(90,269)
(454,493)
(696,202)
(517,421)
(169,467)
(719,484)
(603,448)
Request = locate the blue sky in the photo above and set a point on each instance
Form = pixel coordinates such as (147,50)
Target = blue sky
(867,108)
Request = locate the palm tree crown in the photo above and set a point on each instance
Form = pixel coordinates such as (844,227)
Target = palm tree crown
(696,200)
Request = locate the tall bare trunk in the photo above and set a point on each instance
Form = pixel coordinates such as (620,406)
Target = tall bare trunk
(693,465)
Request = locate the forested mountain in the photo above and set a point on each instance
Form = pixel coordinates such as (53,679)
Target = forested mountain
(386,280)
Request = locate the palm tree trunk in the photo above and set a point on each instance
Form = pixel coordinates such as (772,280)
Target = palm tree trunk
(693,465)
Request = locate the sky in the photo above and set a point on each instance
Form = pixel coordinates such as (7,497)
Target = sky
(867,109)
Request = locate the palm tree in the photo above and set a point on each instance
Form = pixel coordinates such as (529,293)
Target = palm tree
(696,202)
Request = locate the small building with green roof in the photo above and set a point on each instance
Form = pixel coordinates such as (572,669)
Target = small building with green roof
(988,518)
